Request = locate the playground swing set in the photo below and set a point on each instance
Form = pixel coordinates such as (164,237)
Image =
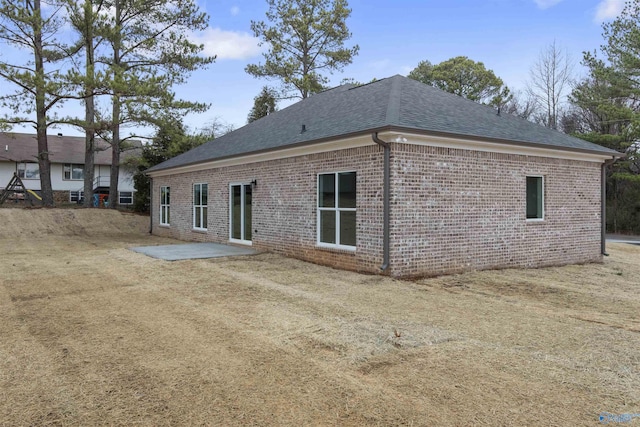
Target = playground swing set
(16,191)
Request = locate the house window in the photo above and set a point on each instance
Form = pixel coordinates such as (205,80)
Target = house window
(73,172)
(535,198)
(76,196)
(125,197)
(337,210)
(200,206)
(28,171)
(165,201)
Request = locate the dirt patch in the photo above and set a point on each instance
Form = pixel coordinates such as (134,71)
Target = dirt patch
(93,333)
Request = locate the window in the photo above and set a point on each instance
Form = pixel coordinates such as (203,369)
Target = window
(535,198)
(200,206)
(28,171)
(125,197)
(337,210)
(76,196)
(165,201)
(73,172)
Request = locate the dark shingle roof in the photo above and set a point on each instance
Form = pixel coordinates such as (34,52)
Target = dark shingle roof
(23,147)
(396,102)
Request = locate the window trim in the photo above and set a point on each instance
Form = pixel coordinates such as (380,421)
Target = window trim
(71,178)
(542,216)
(200,206)
(165,207)
(335,209)
(120,202)
(242,206)
(24,171)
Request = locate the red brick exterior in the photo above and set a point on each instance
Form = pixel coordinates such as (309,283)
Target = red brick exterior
(284,205)
(451,210)
(455,210)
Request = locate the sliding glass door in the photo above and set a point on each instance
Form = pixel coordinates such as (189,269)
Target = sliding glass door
(240,213)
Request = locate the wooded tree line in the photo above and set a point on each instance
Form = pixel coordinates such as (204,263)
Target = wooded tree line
(119,58)
(126,56)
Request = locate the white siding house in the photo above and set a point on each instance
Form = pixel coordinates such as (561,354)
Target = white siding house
(18,153)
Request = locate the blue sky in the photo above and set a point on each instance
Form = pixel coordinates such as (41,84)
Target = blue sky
(394,36)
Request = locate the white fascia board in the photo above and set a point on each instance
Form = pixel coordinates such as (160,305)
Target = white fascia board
(496,147)
(304,150)
(390,136)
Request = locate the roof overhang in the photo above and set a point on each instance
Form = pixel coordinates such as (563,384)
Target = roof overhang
(396,134)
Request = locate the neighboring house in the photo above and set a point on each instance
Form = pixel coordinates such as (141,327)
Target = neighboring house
(18,154)
(467,188)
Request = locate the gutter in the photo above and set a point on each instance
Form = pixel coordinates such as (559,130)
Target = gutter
(392,128)
(150,205)
(603,205)
(386,199)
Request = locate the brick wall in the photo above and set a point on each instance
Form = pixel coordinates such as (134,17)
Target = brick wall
(451,210)
(455,210)
(284,205)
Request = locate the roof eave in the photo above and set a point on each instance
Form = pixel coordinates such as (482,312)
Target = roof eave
(605,153)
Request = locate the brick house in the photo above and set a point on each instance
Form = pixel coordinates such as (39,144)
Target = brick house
(392,176)
(18,154)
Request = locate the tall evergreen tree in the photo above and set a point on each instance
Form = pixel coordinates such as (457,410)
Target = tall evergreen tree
(88,19)
(150,52)
(464,77)
(305,39)
(263,104)
(40,88)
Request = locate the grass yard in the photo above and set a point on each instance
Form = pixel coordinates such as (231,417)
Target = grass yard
(95,334)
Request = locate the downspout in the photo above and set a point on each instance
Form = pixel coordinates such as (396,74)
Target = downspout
(150,205)
(386,199)
(603,206)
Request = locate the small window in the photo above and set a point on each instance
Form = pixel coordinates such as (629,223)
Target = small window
(200,195)
(125,197)
(76,196)
(337,210)
(535,198)
(165,202)
(73,172)
(28,171)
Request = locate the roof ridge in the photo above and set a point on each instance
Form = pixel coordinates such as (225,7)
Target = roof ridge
(393,106)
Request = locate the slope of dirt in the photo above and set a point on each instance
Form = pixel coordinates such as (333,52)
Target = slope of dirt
(29,223)
(94,334)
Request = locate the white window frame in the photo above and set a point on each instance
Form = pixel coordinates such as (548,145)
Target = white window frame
(165,205)
(200,206)
(242,205)
(71,165)
(120,197)
(25,168)
(541,219)
(335,209)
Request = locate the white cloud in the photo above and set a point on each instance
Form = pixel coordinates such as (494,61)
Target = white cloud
(228,44)
(235,10)
(608,9)
(545,4)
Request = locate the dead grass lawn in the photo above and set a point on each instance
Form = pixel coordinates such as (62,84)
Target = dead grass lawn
(95,334)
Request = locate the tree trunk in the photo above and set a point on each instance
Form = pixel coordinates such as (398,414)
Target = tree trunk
(115,154)
(44,163)
(115,143)
(90,133)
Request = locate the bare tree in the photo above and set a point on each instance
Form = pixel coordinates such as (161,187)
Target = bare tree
(520,105)
(551,77)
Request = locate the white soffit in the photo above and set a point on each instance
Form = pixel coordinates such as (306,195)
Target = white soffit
(404,138)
